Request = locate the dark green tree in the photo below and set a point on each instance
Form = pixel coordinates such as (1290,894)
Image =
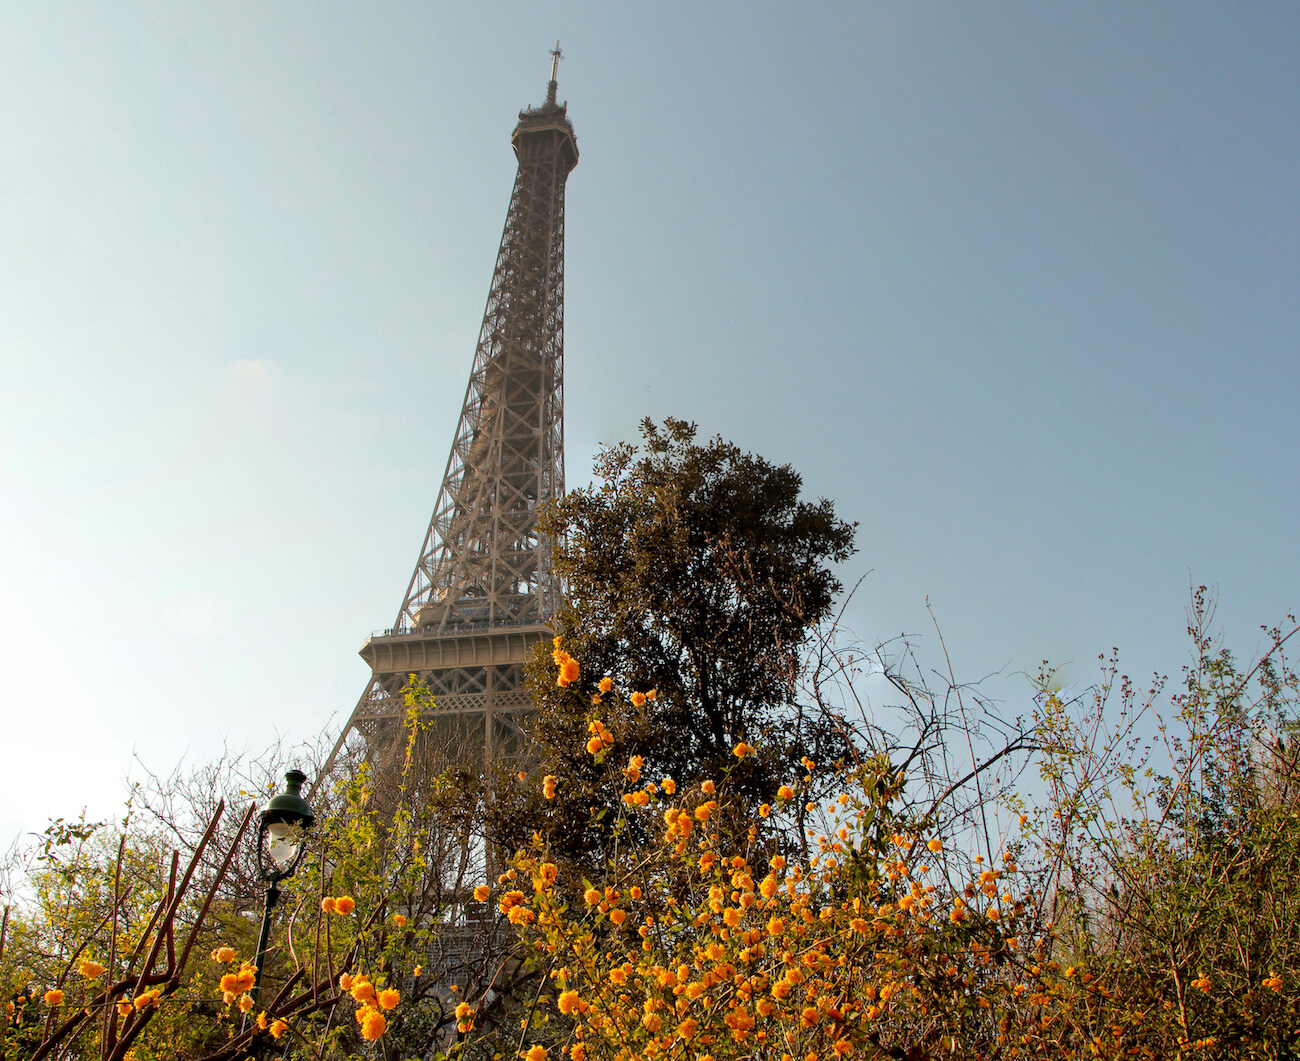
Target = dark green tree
(698,571)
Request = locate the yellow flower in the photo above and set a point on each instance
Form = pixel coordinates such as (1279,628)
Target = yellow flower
(688,1028)
(245,1003)
(373,1024)
(399,920)
(89,969)
(536,1053)
(567,1002)
(785,792)
(224,954)
(705,810)
(741,750)
(344,905)
(764,810)
(548,786)
(345,982)
(638,699)
(606,684)
(261,1020)
(149,998)
(595,745)
(481,893)
(708,788)
(363,991)
(278,1028)
(124,1009)
(668,785)
(389,997)
(592,896)
(54,997)
(935,845)
(618,916)
(1273,983)
(327,904)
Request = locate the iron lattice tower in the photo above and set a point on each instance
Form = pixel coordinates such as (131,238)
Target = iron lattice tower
(483,591)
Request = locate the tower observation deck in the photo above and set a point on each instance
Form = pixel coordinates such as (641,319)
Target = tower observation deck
(483,591)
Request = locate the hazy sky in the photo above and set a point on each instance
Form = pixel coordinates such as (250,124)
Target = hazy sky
(1014,284)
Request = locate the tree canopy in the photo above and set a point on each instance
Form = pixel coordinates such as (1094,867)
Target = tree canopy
(699,572)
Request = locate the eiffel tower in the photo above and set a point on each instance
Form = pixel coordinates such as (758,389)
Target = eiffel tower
(483,590)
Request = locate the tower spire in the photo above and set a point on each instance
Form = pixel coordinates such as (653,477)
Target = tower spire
(556,56)
(483,591)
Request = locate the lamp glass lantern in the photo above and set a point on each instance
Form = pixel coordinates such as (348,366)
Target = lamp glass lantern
(282,830)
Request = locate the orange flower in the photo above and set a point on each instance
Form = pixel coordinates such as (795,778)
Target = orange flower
(261,1020)
(373,1024)
(224,954)
(399,920)
(568,668)
(567,1002)
(688,1028)
(606,684)
(363,991)
(741,750)
(668,785)
(389,997)
(89,969)
(54,997)
(344,905)
(481,893)
(618,916)
(278,1028)
(935,845)
(549,783)
(346,982)
(327,904)
(785,792)
(536,1053)
(463,1010)
(638,699)
(245,1003)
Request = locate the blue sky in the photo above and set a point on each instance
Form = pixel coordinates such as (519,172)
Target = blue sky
(1014,284)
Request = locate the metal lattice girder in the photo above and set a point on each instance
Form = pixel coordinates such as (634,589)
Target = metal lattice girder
(483,589)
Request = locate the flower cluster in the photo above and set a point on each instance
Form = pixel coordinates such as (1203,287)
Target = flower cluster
(568,666)
(372,1001)
(342,905)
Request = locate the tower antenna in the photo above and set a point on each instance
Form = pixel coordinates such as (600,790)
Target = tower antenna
(556,56)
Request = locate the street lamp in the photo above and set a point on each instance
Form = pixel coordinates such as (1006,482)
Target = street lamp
(281,842)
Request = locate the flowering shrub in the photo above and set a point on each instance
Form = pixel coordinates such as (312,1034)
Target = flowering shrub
(882,941)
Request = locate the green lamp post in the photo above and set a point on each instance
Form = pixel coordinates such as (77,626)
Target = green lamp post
(281,843)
